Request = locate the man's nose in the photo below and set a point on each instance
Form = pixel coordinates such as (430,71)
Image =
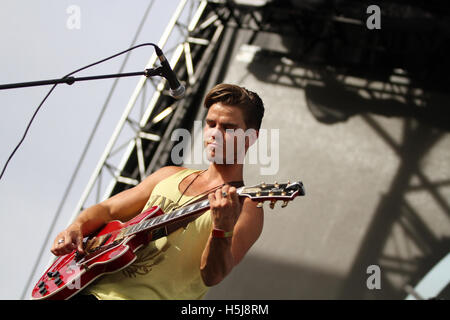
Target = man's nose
(214,133)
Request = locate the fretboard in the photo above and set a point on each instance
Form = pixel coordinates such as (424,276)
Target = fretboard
(165,219)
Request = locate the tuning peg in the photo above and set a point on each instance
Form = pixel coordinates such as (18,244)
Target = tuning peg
(276,185)
(263,184)
(260,204)
(285,203)
(272,204)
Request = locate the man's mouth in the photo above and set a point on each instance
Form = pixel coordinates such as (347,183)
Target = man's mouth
(212,144)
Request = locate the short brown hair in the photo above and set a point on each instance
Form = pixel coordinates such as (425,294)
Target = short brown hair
(232,95)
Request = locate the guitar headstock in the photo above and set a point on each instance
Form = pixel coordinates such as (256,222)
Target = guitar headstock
(273,192)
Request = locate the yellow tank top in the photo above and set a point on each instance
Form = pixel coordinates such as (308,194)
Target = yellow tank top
(169,267)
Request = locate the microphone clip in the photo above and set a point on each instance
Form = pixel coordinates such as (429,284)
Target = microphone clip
(176,93)
(151,72)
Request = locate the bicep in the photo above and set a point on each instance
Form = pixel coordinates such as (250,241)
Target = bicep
(247,229)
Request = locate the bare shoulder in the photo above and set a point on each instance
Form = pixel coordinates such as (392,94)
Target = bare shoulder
(159,175)
(128,203)
(168,171)
(145,188)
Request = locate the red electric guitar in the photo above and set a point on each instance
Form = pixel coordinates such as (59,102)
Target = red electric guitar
(113,247)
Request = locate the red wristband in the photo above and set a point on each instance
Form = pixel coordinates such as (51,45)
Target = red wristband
(219,233)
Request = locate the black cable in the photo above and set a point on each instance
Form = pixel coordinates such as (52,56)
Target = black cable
(54,86)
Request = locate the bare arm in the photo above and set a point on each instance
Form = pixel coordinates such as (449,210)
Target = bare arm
(123,206)
(222,254)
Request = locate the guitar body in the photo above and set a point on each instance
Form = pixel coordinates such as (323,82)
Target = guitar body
(69,274)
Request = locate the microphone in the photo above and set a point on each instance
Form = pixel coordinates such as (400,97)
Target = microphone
(176,89)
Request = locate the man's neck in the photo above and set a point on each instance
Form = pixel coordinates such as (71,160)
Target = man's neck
(224,173)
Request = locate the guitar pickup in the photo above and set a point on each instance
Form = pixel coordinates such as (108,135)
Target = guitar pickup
(53,274)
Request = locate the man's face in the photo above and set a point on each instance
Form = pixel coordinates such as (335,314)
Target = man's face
(225,126)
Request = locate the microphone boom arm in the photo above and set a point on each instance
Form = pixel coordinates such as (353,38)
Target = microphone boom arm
(71,80)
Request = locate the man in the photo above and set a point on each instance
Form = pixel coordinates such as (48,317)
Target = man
(188,261)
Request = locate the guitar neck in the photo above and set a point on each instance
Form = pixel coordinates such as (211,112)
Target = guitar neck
(166,219)
(259,193)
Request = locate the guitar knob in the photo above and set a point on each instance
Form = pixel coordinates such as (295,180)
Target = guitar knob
(272,204)
(260,204)
(51,274)
(43,290)
(58,281)
(285,203)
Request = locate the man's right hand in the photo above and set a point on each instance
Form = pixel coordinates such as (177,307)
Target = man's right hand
(68,240)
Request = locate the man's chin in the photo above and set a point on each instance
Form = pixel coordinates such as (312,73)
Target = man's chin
(213,158)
